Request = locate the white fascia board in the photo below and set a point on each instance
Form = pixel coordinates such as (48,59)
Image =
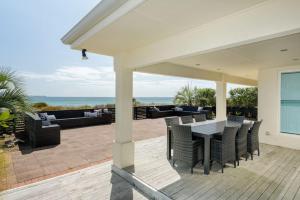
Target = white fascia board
(122,10)
(96,15)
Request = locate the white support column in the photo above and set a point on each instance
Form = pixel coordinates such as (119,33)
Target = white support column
(123,147)
(221,100)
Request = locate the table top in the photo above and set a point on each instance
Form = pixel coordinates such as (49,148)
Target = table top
(211,127)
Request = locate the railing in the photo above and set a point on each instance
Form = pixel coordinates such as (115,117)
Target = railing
(139,113)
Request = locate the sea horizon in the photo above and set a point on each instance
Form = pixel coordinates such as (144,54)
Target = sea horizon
(92,101)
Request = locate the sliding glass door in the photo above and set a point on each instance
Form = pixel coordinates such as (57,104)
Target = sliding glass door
(290,103)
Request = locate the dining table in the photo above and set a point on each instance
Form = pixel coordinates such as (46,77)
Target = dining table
(207,130)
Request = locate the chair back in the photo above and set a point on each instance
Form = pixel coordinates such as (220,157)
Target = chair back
(187,119)
(200,117)
(236,118)
(172,121)
(182,135)
(243,131)
(228,140)
(255,130)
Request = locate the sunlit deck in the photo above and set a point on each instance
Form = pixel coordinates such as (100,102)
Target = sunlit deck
(273,175)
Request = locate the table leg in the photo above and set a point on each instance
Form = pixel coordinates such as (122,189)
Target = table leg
(169,138)
(206,155)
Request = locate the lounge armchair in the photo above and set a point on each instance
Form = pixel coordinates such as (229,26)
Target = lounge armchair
(40,135)
(253,139)
(223,150)
(186,149)
(241,142)
(170,121)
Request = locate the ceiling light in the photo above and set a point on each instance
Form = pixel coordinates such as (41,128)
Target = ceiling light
(283,50)
(83,52)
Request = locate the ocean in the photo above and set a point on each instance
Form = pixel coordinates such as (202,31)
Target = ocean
(92,101)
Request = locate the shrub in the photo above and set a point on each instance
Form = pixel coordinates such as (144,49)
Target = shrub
(39,105)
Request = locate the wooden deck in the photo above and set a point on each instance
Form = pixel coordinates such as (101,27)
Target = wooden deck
(95,182)
(273,175)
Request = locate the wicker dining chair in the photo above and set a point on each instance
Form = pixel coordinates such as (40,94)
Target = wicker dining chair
(186,149)
(253,139)
(236,118)
(170,121)
(241,142)
(187,119)
(223,151)
(200,118)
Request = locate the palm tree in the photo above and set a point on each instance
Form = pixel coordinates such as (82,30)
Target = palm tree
(12,95)
(205,96)
(185,96)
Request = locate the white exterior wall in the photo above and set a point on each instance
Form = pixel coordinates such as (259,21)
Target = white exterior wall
(269,108)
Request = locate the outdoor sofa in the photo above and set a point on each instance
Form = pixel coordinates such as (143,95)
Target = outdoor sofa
(76,118)
(168,111)
(40,135)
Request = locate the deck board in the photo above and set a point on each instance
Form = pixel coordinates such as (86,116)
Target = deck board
(97,182)
(273,175)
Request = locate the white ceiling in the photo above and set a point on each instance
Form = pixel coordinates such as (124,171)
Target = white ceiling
(245,60)
(156,19)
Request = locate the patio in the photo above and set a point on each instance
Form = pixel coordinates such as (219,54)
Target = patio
(273,175)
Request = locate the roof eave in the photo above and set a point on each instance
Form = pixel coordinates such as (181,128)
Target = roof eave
(97,14)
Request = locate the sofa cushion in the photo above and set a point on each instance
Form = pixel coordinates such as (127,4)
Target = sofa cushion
(46,123)
(156,109)
(43,116)
(178,109)
(51,117)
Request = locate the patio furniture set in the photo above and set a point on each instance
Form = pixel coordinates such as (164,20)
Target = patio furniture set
(207,141)
(171,110)
(43,129)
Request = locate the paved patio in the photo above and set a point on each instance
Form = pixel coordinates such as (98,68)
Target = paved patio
(79,148)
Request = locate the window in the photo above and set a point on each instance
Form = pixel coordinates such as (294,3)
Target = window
(290,103)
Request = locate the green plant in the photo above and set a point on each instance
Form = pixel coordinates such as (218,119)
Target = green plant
(5,117)
(12,94)
(205,97)
(243,97)
(39,105)
(185,96)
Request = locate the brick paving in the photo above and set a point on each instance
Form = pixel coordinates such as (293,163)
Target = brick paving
(79,148)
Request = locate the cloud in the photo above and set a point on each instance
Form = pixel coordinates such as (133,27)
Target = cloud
(100,81)
(76,74)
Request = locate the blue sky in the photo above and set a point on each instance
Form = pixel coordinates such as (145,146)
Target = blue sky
(30,44)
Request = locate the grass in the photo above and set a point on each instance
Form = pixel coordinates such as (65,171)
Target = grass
(3,165)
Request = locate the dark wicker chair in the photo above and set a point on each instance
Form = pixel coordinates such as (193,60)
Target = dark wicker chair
(187,119)
(223,151)
(241,142)
(186,149)
(236,118)
(169,122)
(200,117)
(253,139)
